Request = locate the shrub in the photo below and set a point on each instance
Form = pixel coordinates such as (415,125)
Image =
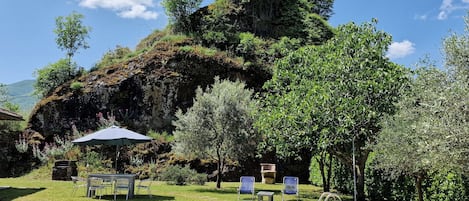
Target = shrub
(186,49)
(250,46)
(198,179)
(76,86)
(177,175)
(446,186)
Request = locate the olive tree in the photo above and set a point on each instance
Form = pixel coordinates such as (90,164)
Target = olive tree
(331,97)
(430,132)
(218,126)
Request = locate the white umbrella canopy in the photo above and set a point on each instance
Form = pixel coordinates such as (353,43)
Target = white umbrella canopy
(113,135)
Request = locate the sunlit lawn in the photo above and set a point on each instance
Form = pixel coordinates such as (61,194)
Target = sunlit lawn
(45,189)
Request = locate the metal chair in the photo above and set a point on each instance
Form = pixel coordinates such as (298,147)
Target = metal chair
(78,183)
(96,185)
(328,195)
(119,185)
(246,186)
(290,186)
(145,184)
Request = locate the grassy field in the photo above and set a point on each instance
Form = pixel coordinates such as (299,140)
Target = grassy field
(28,189)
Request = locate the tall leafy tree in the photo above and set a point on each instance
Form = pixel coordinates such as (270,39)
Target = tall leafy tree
(332,96)
(71,33)
(53,75)
(179,12)
(218,126)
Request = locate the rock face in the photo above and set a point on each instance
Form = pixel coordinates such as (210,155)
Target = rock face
(142,93)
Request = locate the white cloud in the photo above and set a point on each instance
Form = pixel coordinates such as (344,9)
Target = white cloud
(124,8)
(448,6)
(400,49)
(421,17)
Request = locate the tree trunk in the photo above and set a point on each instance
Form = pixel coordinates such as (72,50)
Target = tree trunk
(325,167)
(219,169)
(360,172)
(418,185)
(329,173)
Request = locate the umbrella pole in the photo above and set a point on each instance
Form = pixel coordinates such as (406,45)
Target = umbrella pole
(117,156)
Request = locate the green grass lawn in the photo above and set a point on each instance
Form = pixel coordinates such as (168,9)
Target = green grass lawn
(30,189)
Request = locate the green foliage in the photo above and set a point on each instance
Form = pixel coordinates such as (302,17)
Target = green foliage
(284,46)
(151,39)
(3,94)
(317,30)
(177,175)
(161,137)
(219,124)
(216,28)
(113,56)
(457,52)
(448,186)
(92,159)
(76,86)
(174,38)
(179,12)
(54,75)
(71,33)
(429,133)
(323,97)
(380,186)
(250,46)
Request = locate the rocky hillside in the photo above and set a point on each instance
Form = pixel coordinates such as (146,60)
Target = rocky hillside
(143,93)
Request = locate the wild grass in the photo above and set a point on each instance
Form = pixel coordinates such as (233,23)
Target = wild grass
(27,189)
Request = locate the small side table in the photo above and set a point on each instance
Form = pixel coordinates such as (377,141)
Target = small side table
(268,194)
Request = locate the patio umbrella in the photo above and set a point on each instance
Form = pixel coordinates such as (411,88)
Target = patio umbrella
(112,136)
(7,115)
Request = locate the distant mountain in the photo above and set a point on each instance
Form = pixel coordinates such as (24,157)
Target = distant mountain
(21,93)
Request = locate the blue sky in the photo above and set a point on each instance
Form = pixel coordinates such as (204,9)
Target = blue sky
(27,41)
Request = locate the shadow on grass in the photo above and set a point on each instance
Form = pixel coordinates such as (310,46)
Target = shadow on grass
(9,194)
(137,197)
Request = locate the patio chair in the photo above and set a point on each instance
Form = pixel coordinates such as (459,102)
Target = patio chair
(328,195)
(246,186)
(78,183)
(96,186)
(120,185)
(145,184)
(107,183)
(290,187)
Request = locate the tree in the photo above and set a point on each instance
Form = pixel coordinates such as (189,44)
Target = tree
(3,94)
(332,96)
(179,12)
(430,132)
(112,57)
(457,52)
(71,33)
(53,75)
(218,126)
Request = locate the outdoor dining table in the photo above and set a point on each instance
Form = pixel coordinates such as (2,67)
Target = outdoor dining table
(113,177)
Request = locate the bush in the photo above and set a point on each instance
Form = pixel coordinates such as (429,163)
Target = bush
(198,179)
(250,46)
(76,86)
(446,186)
(177,175)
